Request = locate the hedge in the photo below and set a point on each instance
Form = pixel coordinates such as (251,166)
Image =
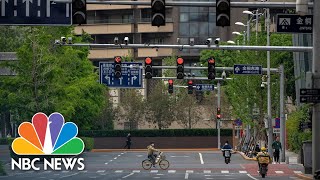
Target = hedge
(88,143)
(156,133)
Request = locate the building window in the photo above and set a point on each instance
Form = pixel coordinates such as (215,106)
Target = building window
(127,18)
(184,29)
(184,17)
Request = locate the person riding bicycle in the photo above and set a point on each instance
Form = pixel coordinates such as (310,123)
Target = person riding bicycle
(263,157)
(151,153)
(226,147)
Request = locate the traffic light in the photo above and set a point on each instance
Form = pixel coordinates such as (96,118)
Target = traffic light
(211,68)
(117,66)
(218,113)
(190,87)
(158,12)
(170,87)
(223,13)
(148,68)
(180,68)
(79,12)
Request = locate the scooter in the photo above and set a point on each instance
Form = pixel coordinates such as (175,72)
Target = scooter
(263,169)
(227,155)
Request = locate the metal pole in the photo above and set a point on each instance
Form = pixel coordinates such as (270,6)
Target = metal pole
(218,120)
(270,130)
(248,32)
(181,47)
(282,116)
(316,84)
(275,70)
(257,19)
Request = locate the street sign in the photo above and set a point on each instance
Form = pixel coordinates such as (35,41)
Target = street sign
(247,69)
(293,23)
(238,122)
(306,125)
(310,99)
(204,87)
(276,123)
(309,92)
(131,75)
(35,12)
(276,130)
(238,127)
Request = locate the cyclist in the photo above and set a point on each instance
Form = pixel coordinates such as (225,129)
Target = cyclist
(263,153)
(225,147)
(151,153)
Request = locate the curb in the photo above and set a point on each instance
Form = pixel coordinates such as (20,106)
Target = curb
(302,176)
(246,157)
(144,150)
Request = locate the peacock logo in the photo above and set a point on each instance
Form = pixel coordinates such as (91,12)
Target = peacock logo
(48,136)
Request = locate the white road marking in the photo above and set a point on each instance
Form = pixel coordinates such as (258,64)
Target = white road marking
(122,153)
(69,175)
(225,172)
(111,160)
(207,171)
(115,158)
(101,171)
(243,172)
(159,174)
(172,171)
(128,175)
(139,155)
(189,171)
(118,171)
(136,171)
(186,176)
(201,160)
(154,171)
(106,163)
(156,177)
(251,177)
(209,178)
(207,175)
(297,172)
(279,172)
(119,155)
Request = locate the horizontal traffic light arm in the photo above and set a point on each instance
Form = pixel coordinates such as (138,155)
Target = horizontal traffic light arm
(194,78)
(213,47)
(281,5)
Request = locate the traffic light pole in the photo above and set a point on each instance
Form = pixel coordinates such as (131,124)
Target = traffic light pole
(218,120)
(282,116)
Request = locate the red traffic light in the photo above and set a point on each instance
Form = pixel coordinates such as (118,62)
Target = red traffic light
(219,116)
(180,61)
(148,60)
(190,82)
(211,61)
(170,81)
(117,59)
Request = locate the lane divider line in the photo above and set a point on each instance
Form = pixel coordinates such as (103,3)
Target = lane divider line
(201,160)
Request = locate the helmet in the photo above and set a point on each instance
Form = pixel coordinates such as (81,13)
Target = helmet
(263,149)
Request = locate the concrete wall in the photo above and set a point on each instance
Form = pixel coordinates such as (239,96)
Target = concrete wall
(160,142)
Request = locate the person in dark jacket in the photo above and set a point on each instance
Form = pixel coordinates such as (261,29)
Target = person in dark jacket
(276,145)
(226,146)
(128,142)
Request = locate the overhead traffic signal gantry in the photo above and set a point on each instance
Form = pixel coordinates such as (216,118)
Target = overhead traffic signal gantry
(180,68)
(218,113)
(211,68)
(79,12)
(223,13)
(158,12)
(117,66)
(170,87)
(190,87)
(148,68)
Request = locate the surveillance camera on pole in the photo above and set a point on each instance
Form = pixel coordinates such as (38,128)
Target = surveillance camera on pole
(208,41)
(178,40)
(191,41)
(69,40)
(224,75)
(63,40)
(262,85)
(116,40)
(57,41)
(217,41)
(126,40)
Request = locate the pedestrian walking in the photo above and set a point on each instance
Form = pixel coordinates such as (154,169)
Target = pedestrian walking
(128,141)
(276,146)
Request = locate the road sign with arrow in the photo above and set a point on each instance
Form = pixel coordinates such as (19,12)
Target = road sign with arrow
(204,87)
(310,95)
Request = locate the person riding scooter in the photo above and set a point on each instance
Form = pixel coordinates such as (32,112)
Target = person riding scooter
(263,157)
(226,147)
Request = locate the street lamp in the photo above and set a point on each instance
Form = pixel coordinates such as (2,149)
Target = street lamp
(231,42)
(240,24)
(237,33)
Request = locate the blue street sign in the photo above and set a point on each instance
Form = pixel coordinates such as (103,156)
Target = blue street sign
(277,123)
(247,69)
(204,87)
(294,23)
(34,12)
(238,122)
(131,75)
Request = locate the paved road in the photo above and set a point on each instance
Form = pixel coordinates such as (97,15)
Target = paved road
(183,165)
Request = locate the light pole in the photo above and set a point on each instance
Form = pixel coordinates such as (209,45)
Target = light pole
(248,29)
(239,34)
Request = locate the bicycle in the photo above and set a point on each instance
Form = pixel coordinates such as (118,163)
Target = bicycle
(160,160)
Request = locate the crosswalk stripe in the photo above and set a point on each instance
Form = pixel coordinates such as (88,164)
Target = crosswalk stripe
(136,171)
(243,172)
(172,171)
(101,171)
(189,171)
(297,172)
(154,171)
(118,171)
(207,171)
(225,172)
(279,172)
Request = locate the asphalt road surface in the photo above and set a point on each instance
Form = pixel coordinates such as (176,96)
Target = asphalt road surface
(183,165)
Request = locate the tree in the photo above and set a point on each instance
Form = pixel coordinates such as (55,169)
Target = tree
(51,78)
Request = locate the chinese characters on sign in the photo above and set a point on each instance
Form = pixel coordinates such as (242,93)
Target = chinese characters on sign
(294,23)
(247,69)
(204,87)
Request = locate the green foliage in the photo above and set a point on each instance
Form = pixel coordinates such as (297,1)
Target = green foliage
(6,141)
(53,79)
(2,171)
(295,137)
(11,38)
(157,133)
(88,143)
